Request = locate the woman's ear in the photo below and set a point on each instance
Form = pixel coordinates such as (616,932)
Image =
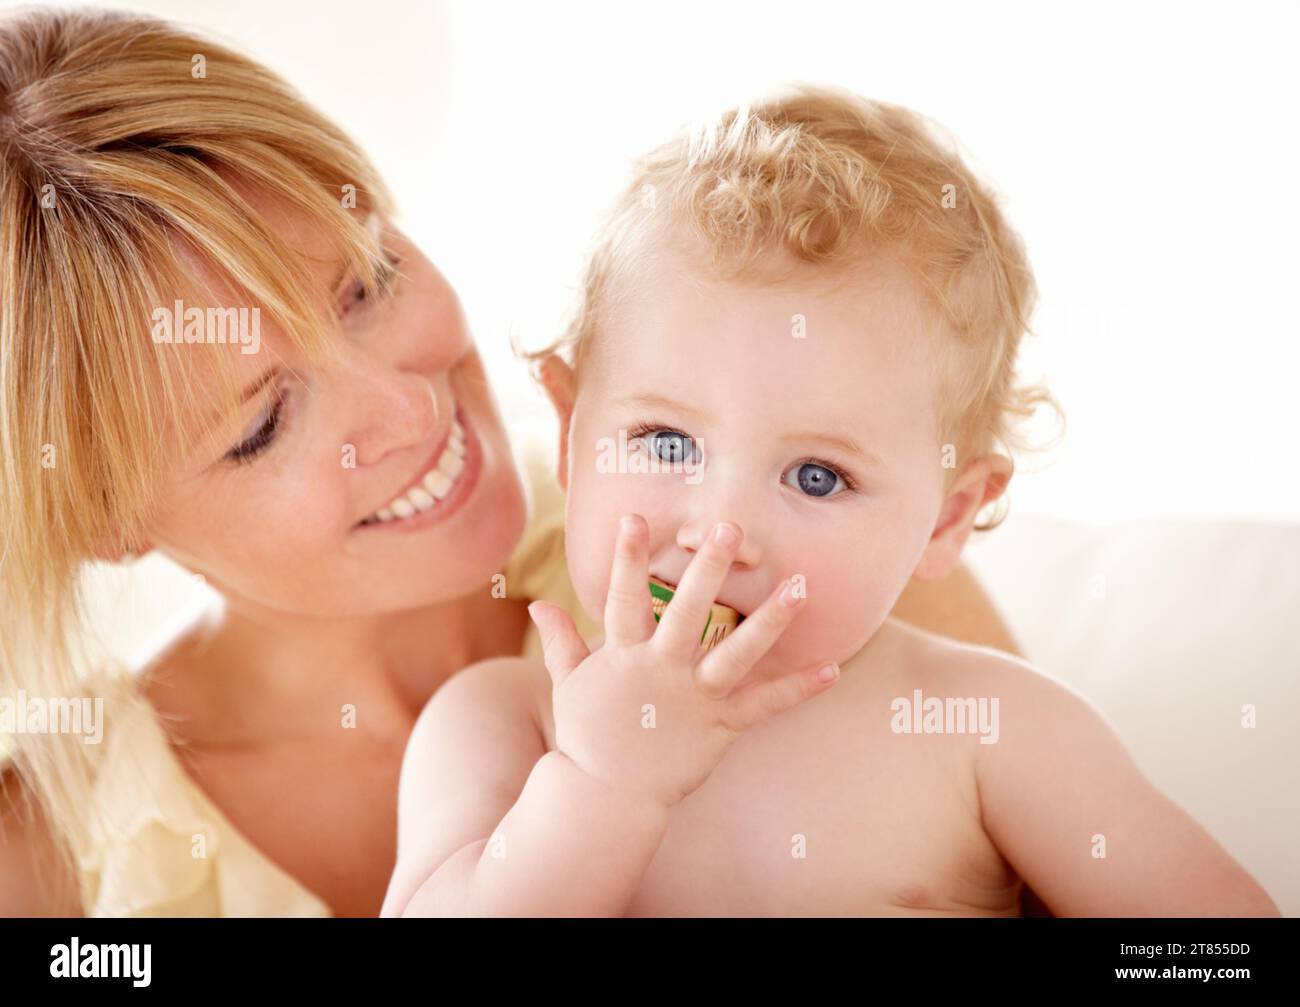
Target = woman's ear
(980,483)
(558,379)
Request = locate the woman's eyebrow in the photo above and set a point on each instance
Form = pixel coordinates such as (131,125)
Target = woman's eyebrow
(258,385)
(253,389)
(247,394)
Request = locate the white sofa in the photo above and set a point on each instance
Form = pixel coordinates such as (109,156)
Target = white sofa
(1170,628)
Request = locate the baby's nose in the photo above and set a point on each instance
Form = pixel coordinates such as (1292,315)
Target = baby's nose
(693,534)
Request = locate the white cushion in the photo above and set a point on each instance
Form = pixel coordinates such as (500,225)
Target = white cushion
(1170,628)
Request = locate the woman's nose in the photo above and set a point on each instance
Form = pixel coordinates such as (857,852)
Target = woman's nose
(388,409)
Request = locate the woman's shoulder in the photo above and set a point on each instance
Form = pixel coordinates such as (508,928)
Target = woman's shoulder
(34,879)
(153,843)
(38,875)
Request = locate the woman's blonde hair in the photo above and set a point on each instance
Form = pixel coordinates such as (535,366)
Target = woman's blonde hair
(831,177)
(118,135)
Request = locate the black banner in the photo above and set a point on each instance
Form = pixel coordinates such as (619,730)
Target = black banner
(1230,957)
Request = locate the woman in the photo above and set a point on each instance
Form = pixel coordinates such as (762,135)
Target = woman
(152,183)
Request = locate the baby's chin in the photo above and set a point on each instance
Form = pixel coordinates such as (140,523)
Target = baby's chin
(806,647)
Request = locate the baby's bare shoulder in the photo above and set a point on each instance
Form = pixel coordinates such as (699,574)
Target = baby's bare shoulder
(1025,694)
(508,687)
(940,661)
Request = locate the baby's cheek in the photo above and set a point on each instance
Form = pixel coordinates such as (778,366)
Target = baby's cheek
(845,584)
(596,502)
(837,621)
(587,554)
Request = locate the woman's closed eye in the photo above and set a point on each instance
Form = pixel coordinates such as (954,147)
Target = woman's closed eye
(264,431)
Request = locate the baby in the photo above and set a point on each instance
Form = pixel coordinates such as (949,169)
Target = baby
(781,400)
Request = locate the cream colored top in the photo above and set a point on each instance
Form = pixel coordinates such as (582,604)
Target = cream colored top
(160,847)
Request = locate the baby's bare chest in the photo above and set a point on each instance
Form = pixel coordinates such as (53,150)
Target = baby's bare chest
(813,815)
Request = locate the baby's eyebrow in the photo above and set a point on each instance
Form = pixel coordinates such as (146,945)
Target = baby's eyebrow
(653,401)
(847,444)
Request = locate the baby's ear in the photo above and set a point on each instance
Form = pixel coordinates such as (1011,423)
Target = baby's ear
(558,379)
(980,483)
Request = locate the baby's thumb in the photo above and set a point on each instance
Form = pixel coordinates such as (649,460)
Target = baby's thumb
(562,648)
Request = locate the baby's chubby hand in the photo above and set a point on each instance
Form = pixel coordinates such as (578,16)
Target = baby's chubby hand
(651,712)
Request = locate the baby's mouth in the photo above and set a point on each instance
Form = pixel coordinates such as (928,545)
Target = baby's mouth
(718,602)
(723,619)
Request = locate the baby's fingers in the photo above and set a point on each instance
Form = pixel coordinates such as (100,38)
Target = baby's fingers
(729,662)
(682,623)
(759,701)
(563,649)
(629,618)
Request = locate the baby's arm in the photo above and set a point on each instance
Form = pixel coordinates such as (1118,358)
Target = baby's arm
(490,823)
(1058,782)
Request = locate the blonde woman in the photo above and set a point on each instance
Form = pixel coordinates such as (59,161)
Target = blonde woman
(338,472)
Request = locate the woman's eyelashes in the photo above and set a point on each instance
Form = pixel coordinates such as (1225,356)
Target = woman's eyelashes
(268,426)
(813,477)
(357,297)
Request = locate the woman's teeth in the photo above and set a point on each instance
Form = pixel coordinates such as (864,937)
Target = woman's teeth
(433,487)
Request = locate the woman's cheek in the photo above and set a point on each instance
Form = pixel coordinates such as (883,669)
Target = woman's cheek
(315,505)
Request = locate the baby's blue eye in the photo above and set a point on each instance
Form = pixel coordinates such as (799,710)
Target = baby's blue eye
(816,480)
(671,446)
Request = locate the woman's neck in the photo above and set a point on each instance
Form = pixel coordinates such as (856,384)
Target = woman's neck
(247,673)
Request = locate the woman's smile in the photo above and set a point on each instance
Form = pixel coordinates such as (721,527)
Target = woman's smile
(438,490)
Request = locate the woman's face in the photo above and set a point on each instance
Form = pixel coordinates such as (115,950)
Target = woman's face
(280,509)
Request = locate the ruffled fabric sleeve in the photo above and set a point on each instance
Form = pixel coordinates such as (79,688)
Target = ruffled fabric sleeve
(159,847)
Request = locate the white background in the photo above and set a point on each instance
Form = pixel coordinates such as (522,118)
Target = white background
(1147,153)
